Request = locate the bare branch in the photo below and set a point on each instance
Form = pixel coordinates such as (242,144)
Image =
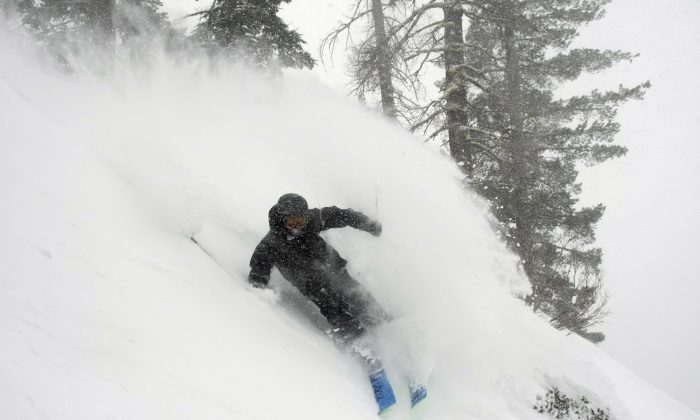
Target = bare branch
(329,42)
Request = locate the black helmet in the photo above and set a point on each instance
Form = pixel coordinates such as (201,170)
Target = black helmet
(292,205)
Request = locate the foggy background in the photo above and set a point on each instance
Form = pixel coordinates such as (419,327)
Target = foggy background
(650,231)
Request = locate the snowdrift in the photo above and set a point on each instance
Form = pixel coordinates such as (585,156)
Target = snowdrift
(108,309)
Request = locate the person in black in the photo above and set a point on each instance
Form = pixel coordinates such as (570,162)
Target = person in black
(315,268)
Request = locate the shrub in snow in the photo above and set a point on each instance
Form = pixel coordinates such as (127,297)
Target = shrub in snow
(558,405)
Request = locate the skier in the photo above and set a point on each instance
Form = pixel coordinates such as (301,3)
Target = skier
(316,269)
(294,246)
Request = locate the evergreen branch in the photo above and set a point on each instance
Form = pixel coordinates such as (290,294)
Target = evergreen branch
(486,150)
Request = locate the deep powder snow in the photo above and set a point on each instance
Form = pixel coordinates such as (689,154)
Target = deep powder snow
(108,310)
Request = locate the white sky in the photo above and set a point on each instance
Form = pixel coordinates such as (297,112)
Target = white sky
(651,230)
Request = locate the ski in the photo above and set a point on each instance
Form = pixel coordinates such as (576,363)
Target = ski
(383,393)
(418,393)
(381,387)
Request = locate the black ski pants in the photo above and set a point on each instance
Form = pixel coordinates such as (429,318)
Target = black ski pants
(347,306)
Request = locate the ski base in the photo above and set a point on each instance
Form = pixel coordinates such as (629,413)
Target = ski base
(383,392)
(418,394)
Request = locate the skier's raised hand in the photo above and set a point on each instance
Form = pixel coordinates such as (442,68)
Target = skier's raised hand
(373,227)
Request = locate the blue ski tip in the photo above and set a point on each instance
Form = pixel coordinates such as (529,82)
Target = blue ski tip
(418,394)
(383,392)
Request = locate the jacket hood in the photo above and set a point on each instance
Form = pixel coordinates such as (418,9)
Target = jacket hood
(292,205)
(287,205)
(276,219)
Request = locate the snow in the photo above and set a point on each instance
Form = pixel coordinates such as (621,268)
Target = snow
(108,310)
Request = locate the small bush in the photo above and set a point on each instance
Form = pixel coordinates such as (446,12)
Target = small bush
(558,405)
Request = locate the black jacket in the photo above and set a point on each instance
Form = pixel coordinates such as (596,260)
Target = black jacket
(306,256)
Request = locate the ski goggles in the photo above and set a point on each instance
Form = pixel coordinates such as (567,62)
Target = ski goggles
(295,222)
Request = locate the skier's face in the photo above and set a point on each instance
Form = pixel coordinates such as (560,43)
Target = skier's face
(295,224)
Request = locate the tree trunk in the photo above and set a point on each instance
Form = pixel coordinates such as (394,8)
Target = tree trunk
(455,86)
(522,161)
(514,101)
(386,87)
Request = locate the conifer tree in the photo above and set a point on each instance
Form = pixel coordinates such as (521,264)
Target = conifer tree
(141,17)
(60,24)
(519,144)
(252,30)
(531,143)
(65,27)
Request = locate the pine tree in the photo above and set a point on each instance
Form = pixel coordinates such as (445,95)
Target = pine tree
(62,24)
(252,30)
(67,27)
(530,144)
(519,145)
(135,18)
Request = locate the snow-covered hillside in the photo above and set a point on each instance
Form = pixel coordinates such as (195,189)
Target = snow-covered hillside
(108,310)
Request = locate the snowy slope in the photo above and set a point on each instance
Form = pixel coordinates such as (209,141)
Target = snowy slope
(108,310)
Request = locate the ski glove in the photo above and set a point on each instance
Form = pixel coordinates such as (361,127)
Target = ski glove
(373,227)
